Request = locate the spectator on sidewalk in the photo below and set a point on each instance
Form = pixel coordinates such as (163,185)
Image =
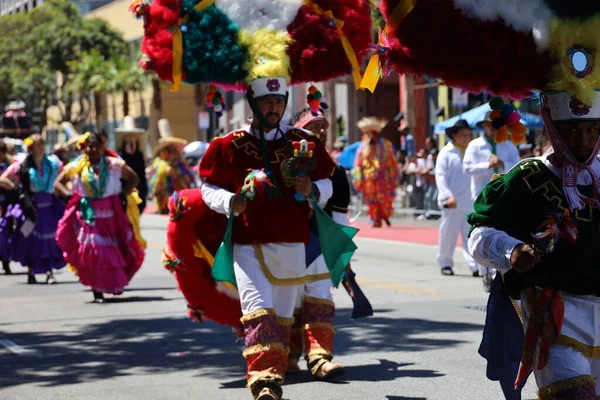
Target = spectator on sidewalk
(454,198)
(407,141)
(416,171)
(484,158)
(431,191)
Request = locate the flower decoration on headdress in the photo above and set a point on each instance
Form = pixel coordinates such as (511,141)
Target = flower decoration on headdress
(146,63)
(504,119)
(139,8)
(82,142)
(315,100)
(215,100)
(29,144)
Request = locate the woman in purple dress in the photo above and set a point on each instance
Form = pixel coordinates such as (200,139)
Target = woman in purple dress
(29,226)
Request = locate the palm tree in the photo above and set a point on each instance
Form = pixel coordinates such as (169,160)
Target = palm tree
(90,76)
(128,77)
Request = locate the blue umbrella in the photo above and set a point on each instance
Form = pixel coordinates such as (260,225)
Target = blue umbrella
(346,159)
(477,114)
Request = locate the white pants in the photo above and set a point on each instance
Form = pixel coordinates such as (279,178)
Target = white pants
(320,289)
(274,287)
(580,324)
(454,223)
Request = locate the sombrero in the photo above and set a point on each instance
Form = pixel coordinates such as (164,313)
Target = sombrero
(128,129)
(372,123)
(166,137)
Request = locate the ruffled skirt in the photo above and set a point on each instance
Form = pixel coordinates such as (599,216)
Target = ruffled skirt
(105,253)
(37,248)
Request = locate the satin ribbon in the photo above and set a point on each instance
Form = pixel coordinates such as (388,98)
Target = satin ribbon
(178,45)
(87,211)
(545,323)
(350,54)
(373,71)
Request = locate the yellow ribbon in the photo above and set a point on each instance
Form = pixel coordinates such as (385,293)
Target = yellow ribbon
(373,73)
(178,45)
(350,54)
(202,252)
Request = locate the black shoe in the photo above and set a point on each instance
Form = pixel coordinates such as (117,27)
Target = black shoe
(487,282)
(31,279)
(6,267)
(98,297)
(476,274)
(387,222)
(447,271)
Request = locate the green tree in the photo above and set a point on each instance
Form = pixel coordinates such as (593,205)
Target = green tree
(91,79)
(128,77)
(38,50)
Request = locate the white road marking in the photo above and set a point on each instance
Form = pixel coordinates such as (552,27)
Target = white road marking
(12,346)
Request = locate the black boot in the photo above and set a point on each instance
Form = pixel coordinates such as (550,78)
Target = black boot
(98,297)
(6,267)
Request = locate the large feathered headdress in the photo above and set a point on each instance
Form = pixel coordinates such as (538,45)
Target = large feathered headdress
(232,42)
(508,48)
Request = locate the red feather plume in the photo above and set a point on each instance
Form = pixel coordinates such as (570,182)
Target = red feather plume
(317,53)
(437,40)
(193,274)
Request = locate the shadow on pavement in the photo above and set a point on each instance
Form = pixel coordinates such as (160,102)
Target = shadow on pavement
(165,344)
(405,398)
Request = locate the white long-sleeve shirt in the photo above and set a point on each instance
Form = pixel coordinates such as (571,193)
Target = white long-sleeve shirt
(450,178)
(219,199)
(492,248)
(477,160)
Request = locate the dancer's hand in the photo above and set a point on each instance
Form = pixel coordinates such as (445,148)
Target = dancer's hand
(493,161)
(523,258)
(451,202)
(238,204)
(303,185)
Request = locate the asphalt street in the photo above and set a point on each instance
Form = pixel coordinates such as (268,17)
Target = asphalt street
(420,344)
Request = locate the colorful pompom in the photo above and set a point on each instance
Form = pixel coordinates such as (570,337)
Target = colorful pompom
(501,135)
(513,118)
(496,103)
(315,100)
(506,110)
(215,100)
(495,114)
(498,123)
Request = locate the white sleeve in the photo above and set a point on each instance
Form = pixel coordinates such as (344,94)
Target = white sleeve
(441,173)
(471,165)
(325,187)
(492,248)
(216,198)
(340,217)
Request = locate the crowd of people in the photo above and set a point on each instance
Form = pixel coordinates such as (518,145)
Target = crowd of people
(80,206)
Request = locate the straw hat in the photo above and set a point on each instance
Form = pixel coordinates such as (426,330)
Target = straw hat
(166,137)
(129,130)
(372,123)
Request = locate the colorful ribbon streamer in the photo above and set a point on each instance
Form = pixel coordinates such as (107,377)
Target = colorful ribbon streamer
(373,71)
(178,45)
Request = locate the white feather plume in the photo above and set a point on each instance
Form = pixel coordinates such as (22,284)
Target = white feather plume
(521,15)
(251,15)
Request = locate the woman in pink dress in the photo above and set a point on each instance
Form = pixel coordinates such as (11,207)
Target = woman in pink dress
(95,234)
